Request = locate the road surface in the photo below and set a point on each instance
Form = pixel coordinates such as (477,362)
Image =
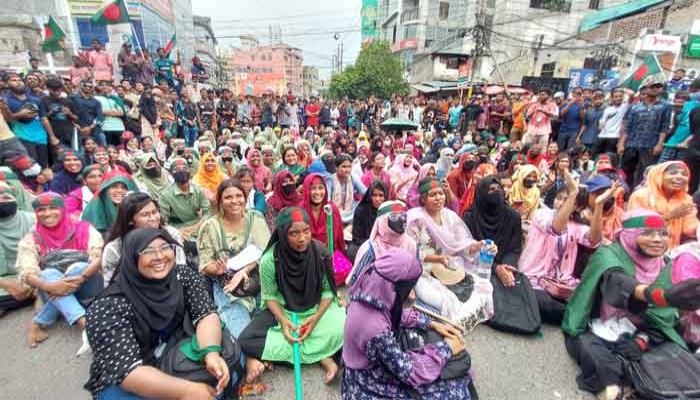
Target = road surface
(506,367)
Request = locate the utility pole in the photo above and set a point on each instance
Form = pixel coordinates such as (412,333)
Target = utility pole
(479,40)
(341,56)
(537,54)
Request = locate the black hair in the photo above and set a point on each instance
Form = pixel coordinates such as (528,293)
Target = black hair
(128,208)
(54,84)
(341,158)
(226,184)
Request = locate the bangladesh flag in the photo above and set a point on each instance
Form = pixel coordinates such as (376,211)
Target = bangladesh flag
(170,45)
(53,37)
(112,13)
(650,67)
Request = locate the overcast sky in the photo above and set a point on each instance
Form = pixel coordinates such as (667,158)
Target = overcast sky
(307,24)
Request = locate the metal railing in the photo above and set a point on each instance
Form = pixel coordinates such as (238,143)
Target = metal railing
(411,14)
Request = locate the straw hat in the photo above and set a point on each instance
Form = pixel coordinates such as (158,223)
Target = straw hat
(448,276)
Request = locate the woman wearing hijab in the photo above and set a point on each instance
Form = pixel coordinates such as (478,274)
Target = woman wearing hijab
(14,225)
(448,253)
(139,312)
(290,163)
(525,195)
(61,259)
(284,194)
(150,177)
(67,178)
(76,200)
(227,233)
(461,179)
(625,303)
(403,172)
(209,175)
(443,164)
(481,171)
(315,200)
(376,364)
(366,214)
(263,175)
(101,211)
(388,232)
(296,276)
(666,192)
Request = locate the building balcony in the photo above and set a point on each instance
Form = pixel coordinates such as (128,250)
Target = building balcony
(562,6)
(410,15)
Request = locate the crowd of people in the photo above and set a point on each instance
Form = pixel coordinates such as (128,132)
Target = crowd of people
(196,237)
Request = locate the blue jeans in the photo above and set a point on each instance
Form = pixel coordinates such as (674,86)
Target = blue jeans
(234,314)
(190,133)
(566,140)
(69,306)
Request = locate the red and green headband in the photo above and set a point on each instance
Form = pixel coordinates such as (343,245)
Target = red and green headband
(48,199)
(643,222)
(391,207)
(428,184)
(292,214)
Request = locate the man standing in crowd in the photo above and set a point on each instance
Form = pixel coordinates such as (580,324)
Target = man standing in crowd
(164,67)
(207,112)
(611,123)
(128,62)
(499,113)
(198,70)
(227,110)
(312,113)
(571,117)
(58,113)
(645,129)
(89,112)
(113,111)
(540,114)
(101,62)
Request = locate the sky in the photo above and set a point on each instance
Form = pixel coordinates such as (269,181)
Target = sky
(307,24)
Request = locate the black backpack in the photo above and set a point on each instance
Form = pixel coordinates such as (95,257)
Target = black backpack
(666,372)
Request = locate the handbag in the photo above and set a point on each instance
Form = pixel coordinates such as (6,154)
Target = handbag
(666,372)
(61,260)
(174,362)
(247,287)
(556,288)
(414,339)
(515,308)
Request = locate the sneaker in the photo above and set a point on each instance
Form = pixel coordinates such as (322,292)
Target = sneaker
(85,347)
(612,392)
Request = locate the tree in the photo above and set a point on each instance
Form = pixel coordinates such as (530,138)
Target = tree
(376,72)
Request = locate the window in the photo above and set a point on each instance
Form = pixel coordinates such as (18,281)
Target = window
(552,5)
(409,32)
(593,4)
(444,10)
(548,70)
(88,32)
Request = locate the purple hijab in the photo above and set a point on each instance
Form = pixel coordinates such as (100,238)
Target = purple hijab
(371,300)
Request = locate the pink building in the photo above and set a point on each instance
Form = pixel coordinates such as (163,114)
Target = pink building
(257,69)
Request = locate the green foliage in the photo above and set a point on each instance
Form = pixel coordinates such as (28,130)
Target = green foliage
(376,72)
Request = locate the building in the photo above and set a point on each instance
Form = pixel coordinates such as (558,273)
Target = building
(273,68)
(153,23)
(312,82)
(205,49)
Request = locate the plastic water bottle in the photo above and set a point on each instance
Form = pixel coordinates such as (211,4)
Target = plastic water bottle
(485,261)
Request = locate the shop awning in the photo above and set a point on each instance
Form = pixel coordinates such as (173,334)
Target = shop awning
(598,18)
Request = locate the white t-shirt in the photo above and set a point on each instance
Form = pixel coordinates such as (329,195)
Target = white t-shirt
(611,121)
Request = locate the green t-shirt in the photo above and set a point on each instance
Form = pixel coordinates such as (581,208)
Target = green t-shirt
(165,66)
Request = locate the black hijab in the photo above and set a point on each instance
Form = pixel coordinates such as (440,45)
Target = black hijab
(299,275)
(158,304)
(366,214)
(490,217)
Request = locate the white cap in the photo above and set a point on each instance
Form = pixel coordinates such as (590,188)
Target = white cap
(559,94)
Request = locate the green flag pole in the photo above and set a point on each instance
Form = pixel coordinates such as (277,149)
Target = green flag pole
(297,360)
(329,227)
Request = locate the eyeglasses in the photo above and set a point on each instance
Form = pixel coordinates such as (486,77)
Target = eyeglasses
(152,252)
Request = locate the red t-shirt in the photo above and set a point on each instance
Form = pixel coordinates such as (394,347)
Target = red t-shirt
(312,111)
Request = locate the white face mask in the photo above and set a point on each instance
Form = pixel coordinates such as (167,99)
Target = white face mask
(34,170)
(63,95)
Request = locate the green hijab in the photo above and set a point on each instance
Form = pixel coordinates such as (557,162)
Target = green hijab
(12,230)
(101,211)
(154,186)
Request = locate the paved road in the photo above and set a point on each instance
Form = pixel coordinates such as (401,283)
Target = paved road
(507,367)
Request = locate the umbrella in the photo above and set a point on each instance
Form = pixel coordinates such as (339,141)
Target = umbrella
(399,124)
(491,90)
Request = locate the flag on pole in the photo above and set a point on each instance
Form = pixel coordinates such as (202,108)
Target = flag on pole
(649,67)
(53,37)
(112,13)
(170,45)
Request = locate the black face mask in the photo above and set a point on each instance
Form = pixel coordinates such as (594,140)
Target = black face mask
(227,159)
(470,165)
(288,189)
(180,151)
(609,204)
(181,176)
(495,199)
(484,159)
(398,224)
(528,183)
(152,172)
(8,209)
(329,163)
(189,159)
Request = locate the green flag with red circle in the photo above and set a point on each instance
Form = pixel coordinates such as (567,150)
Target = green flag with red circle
(53,37)
(112,13)
(649,67)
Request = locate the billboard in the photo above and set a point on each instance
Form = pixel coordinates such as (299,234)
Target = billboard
(589,79)
(369,20)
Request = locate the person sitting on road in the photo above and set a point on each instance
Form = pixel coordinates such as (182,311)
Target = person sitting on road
(101,211)
(296,277)
(14,225)
(77,199)
(284,194)
(151,178)
(625,303)
(365,215)
(377,366)
(61,259)
(137,210)
(130,326)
